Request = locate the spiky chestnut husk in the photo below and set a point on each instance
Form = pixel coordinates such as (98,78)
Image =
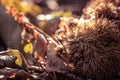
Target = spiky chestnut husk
(93,48)
(105,8)
(110,11)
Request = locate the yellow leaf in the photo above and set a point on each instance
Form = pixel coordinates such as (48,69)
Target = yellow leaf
(28,48)
(16,53)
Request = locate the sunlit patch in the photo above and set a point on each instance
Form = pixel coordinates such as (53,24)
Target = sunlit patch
(45,17)
(2,76)
(52,4)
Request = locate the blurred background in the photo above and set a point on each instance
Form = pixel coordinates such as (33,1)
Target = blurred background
(47,9)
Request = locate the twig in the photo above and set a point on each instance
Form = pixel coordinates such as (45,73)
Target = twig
(29,27)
